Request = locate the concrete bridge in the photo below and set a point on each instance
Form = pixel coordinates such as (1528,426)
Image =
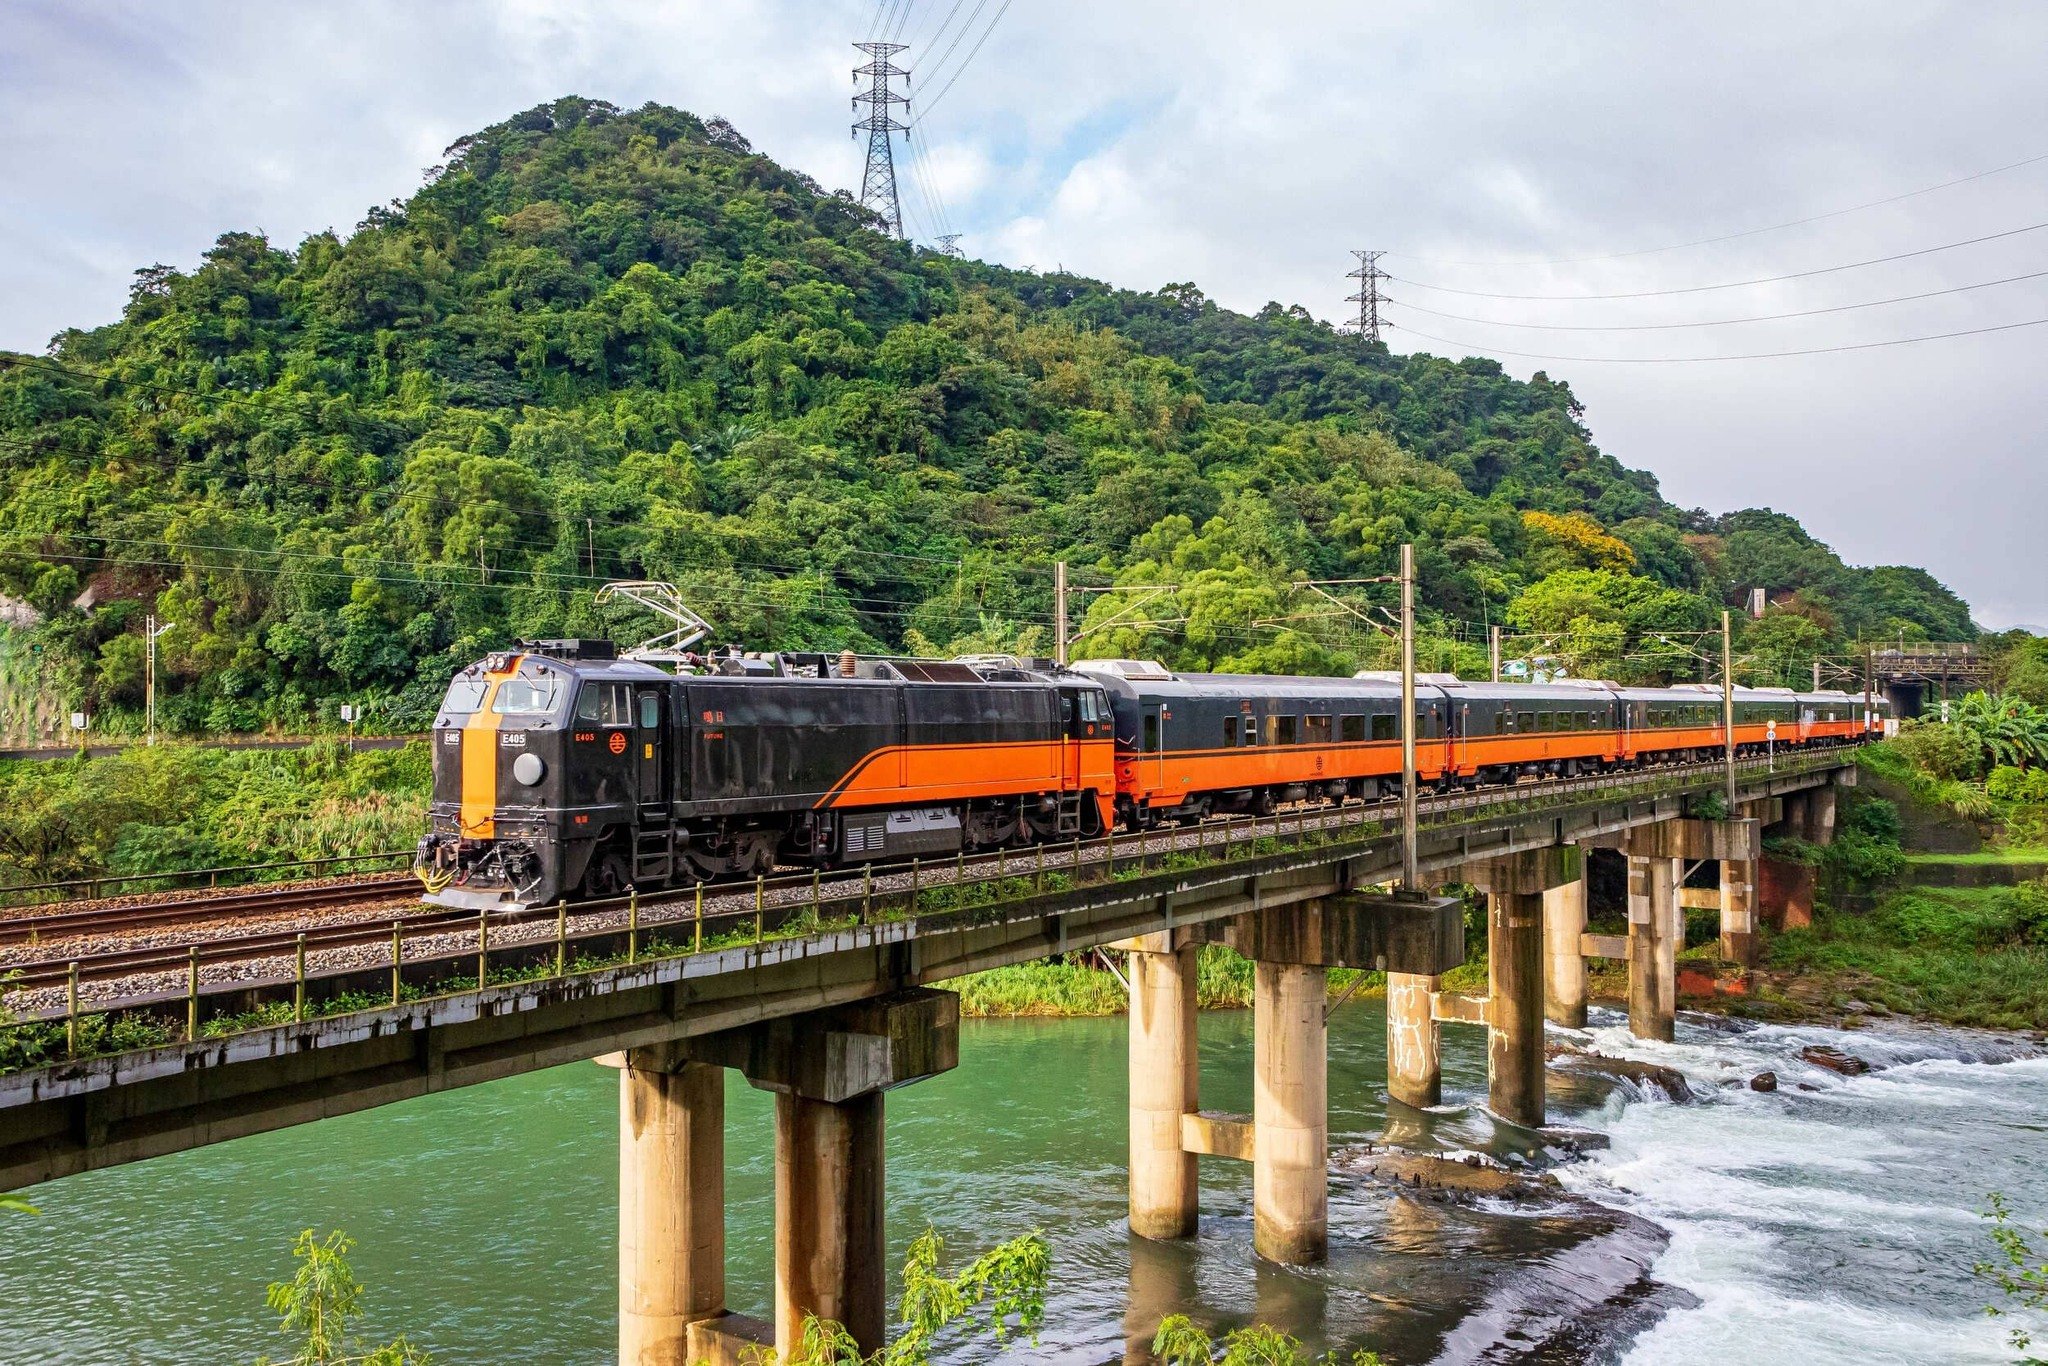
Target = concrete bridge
(831,1019)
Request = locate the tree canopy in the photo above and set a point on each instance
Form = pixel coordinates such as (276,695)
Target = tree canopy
(604,344)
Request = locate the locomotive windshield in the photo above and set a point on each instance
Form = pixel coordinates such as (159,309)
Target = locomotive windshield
(525,697)
(465,697)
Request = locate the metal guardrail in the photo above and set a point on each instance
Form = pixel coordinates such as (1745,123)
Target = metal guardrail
(677,924)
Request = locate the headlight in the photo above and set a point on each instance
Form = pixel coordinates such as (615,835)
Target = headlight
(529,769)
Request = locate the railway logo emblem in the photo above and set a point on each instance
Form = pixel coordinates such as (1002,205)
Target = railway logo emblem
(617,743)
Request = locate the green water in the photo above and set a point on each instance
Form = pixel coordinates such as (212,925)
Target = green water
(486,1217)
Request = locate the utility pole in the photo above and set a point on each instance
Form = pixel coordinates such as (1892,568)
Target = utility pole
(1410,882)
(1059,619)
(1493,650)
(590,544)
(150,632)
(1816,675)
(1728,703)
(878,180)
(1368,297)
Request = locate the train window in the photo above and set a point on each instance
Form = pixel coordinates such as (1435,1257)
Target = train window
(650,710)
(1283,729)
(524,697)
(602,703)
(1500,721)
(1525,721)
(1230,730)
(1066,712)
(1151,732)
(1251,730)
(1316,729)
(465,697)
(1422,726)
(1383,728)
(1352,730)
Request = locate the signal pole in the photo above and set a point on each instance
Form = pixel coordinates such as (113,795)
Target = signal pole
(1493,650)
(1368,297)
(878,180)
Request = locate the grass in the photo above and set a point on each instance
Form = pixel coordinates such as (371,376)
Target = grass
(1953,954)
(1073,986)
(1987,857)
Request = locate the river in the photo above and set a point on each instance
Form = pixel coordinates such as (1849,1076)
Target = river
(1827,1225)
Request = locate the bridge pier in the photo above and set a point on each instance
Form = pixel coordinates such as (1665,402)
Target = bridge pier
(829,1069)
(1292,949)
(1415,1069)
(1564,976)
(1738,911)
(1516,887)
(1655,927)
(1290,1113)
(1657,859)
(671,1204)
(1165,1072)
(829,1255)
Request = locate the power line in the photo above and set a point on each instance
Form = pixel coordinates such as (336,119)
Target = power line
(1704,360)
(921,36)
(935,66)
(1731,284)
(933,102)
(1727,322)
(1734,236)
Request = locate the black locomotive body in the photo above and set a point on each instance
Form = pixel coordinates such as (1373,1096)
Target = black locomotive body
(562,770)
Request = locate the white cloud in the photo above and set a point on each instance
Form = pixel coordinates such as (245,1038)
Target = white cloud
(1245,148)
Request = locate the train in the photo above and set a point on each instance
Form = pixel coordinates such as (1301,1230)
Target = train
(563,770)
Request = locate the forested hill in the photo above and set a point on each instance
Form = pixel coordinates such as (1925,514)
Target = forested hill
(600,344)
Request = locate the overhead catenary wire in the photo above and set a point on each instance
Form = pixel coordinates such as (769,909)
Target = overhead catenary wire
(1709,360)
(1729,322)
(1733,236)
(1728,284)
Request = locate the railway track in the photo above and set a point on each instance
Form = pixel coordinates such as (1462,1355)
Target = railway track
(197,910)
(105,965)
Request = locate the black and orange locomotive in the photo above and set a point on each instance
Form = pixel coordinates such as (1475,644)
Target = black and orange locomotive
(561,769)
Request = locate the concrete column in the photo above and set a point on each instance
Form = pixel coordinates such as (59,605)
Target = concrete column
(1414,1044)
(829,1253)
(1290,1114)
(1564,978)
(1738,911)
(1164,1080)
(1820,815)
(1514,1037)
(671,1206)
(1654,928)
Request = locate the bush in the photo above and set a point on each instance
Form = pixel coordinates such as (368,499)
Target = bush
(2006,784)
(2028,905)
(2035,788)
(1943,752)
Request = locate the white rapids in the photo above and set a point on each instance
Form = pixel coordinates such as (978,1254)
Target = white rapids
(1834,1220)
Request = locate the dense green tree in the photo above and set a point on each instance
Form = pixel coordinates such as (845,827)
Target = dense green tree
(601,344)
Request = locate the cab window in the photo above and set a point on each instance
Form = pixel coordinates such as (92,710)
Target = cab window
(602,704)
(465,697)
(650,710)
(1151,745)
(524,697)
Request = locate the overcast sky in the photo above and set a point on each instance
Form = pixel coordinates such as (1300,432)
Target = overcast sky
(1246,148)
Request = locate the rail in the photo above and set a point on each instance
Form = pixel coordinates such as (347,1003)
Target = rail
(93,888)
(702,919)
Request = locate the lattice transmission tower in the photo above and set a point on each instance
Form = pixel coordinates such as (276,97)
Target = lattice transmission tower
(1368,297)
(878,181)
(949,243)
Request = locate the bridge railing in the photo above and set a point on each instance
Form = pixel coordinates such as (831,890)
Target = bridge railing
(562,940)
(173,879)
